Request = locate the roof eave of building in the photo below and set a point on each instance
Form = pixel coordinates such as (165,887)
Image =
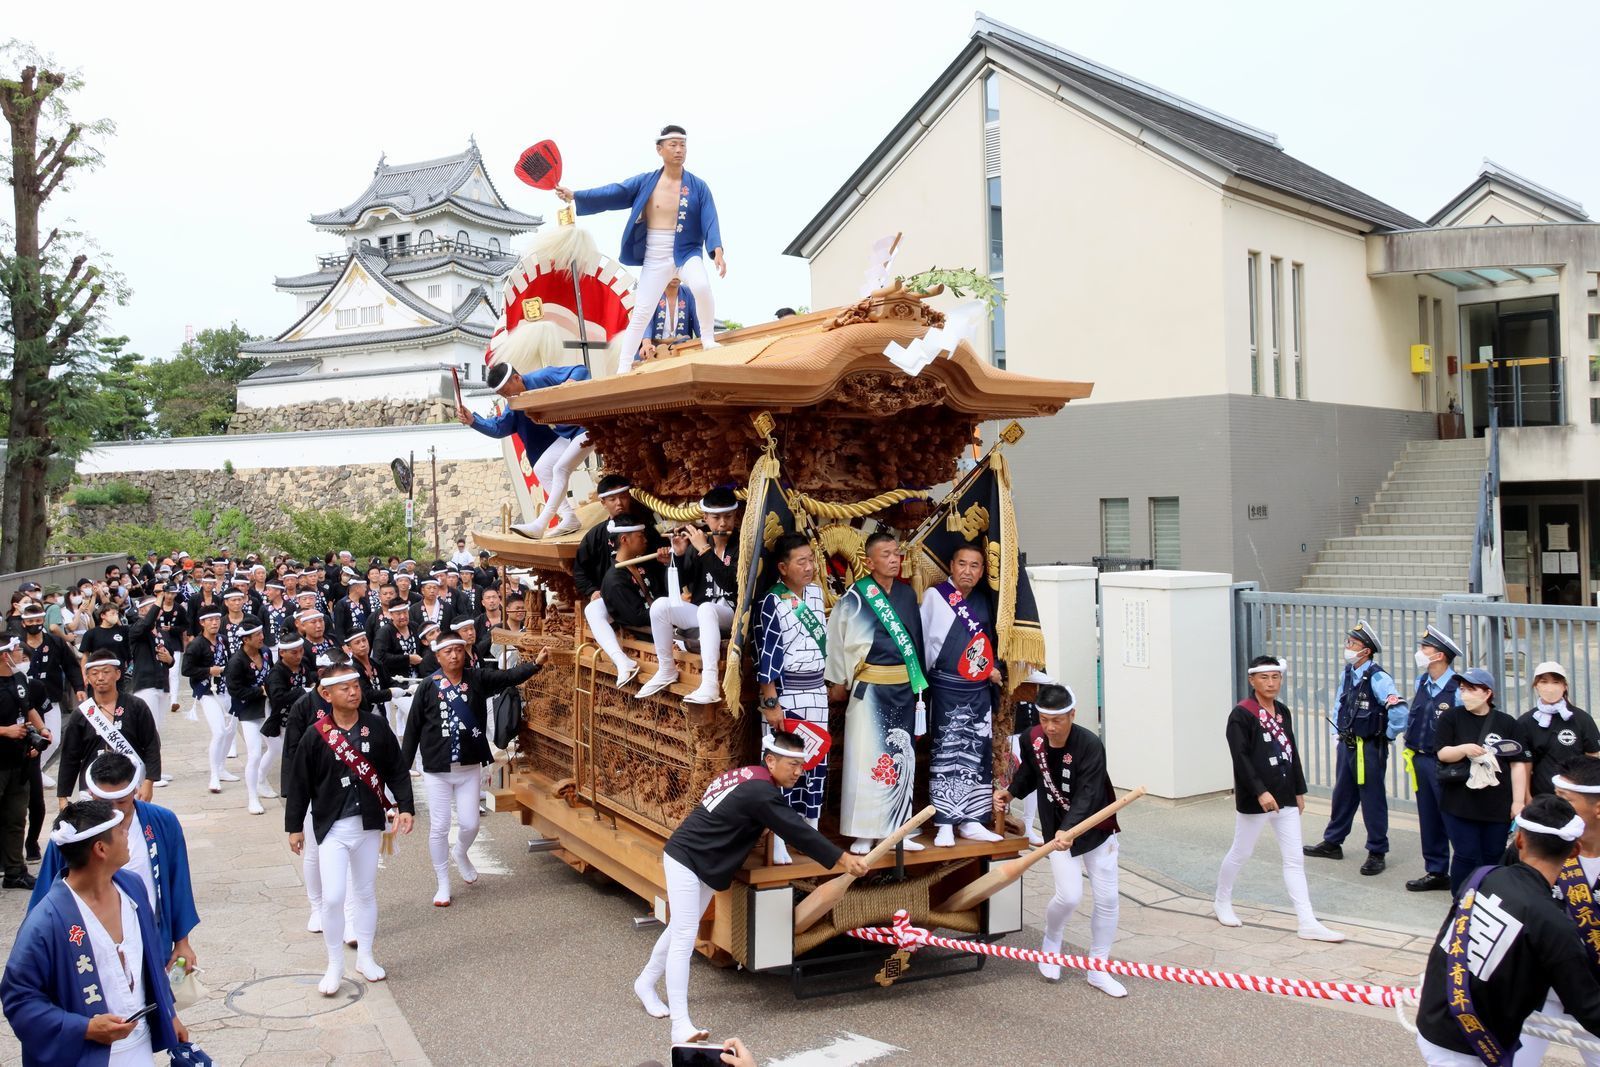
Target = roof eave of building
(312,347)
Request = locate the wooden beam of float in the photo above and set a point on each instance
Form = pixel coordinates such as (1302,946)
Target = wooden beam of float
(982,888)
(829,893)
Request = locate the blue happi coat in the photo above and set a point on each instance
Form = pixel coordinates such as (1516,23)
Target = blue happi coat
(51,988)
(697,226)
(163,840)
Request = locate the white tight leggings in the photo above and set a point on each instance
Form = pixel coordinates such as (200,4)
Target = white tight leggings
(554,469)
(221,721)
(459,787)
(708,619)
(605,635)
(157,702)
(349,865)
(687,900)
(1247,829)
(1100,864)
(657,271)
(311,861)
(261,755)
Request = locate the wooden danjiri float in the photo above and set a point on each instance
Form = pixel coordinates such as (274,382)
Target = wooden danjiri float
(827,435)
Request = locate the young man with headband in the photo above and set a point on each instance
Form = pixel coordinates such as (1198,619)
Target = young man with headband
(1269,789)
(1068,768)
(204,662)
(449,728)
(107,721)
(626,593)
(706,849)
(347,766)
(90,955)
(672,221)
(158,854)
(1504,946)
(709,562)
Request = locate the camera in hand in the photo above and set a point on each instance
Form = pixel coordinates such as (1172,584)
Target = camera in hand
(35,742)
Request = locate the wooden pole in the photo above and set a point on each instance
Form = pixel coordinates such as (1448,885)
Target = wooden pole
(982,888)
(829,893)
(433,462)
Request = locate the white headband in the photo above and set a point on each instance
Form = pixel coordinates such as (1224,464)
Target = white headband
(613,528)
(1561,781)
(615,492)
(448,642)
(462,624)
(246,631)
(348,676)
(1270,668)
(292,643)
(96,789)
(719,511)
(1570,832)
(309,613)
(67,834)
(770,744)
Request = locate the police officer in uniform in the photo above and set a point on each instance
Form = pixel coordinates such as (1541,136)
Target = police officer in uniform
(1369,715)
(1435,694)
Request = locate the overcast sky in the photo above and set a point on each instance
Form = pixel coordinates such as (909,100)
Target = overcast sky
(233,126)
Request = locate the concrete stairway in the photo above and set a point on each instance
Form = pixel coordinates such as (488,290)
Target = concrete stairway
(1416,538)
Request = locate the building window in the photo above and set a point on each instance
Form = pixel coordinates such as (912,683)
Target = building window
(1594,327)
(1253,287)
(425,237)
(310,304)
(344,318)
(462,239)
(997,252)
(1297,327)
(400,242)
(383,244)
(997,334)
(1165,545)
(991,97)
(494,245)
(1594,409)
(1115,534)
(372,315)
(435,291)
(1275,303)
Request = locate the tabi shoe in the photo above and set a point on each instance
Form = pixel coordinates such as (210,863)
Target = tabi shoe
(780,852)
(653,1004)
(1325,850)
(687,1033)
(160,783)
(862,845)
(707,694)
(528,530)
(1035,838)
(47,781)
(1223,910)
(369,968)
(1428,882)
(255,808)
(314,924)
(215,786)
(165,777)
(570,524)
(626,672)
(1315,931)
(1051,971)
(331,981)
(911,844)
(266,792)
(228,776)
(441,896)
(1375,863)
(1105,983)
(469,873)
(946,837)
(17,881)
(972,830)
(662,679)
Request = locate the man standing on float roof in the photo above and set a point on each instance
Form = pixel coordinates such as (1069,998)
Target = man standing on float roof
(673,222)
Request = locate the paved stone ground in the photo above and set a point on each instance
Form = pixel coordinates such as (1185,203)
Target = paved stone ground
(535,963)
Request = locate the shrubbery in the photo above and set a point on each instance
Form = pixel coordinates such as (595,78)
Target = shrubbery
(114,492)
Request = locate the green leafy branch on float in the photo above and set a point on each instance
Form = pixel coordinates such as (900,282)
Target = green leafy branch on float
(958,283)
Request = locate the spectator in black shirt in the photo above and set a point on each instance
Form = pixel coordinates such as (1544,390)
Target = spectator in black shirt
(1554,731)
(109,635)
(1477,817)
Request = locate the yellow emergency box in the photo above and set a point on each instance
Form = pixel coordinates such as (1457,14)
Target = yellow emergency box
(1421,359)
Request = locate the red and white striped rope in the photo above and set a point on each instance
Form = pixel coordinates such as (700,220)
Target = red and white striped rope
(906,936)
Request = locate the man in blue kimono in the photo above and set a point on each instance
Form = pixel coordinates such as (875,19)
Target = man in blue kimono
(675,320)
(554,451)
(672,221)
(958,642)
(89,956)
(158,855)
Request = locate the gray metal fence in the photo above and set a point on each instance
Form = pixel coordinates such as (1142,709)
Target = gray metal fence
(1308,630)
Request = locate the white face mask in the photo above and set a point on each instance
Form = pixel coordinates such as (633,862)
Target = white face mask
(1350,655)
(1422,659)
(1550,692)
(1473,699)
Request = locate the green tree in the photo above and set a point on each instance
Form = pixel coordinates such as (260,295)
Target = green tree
(194,393)
(311,533)
(120,410)
(53,295)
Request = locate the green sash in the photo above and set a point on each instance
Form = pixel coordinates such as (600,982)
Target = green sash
(803,612)
(878,601)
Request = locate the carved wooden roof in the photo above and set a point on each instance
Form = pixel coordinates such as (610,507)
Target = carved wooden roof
(849,422)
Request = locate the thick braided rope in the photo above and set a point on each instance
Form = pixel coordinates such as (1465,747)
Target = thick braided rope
(821,509)
(903,935)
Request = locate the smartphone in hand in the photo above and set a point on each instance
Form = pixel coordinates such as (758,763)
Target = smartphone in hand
(697,1056)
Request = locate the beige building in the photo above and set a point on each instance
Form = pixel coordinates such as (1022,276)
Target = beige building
(1248,320)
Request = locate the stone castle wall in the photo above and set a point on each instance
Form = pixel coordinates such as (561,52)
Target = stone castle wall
(471,493)
(338,414)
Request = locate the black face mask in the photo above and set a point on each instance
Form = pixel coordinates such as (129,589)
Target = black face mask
(33,629)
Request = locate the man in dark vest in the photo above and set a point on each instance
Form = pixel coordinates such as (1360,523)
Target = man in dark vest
(1369,714)
(1435,695)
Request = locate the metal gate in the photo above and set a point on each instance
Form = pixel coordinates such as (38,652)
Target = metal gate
(1308,630)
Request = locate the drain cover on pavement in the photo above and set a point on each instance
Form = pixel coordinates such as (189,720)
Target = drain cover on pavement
(291,996)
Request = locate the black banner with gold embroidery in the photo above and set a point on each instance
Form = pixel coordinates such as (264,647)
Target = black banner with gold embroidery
(983,513)
(767,517)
